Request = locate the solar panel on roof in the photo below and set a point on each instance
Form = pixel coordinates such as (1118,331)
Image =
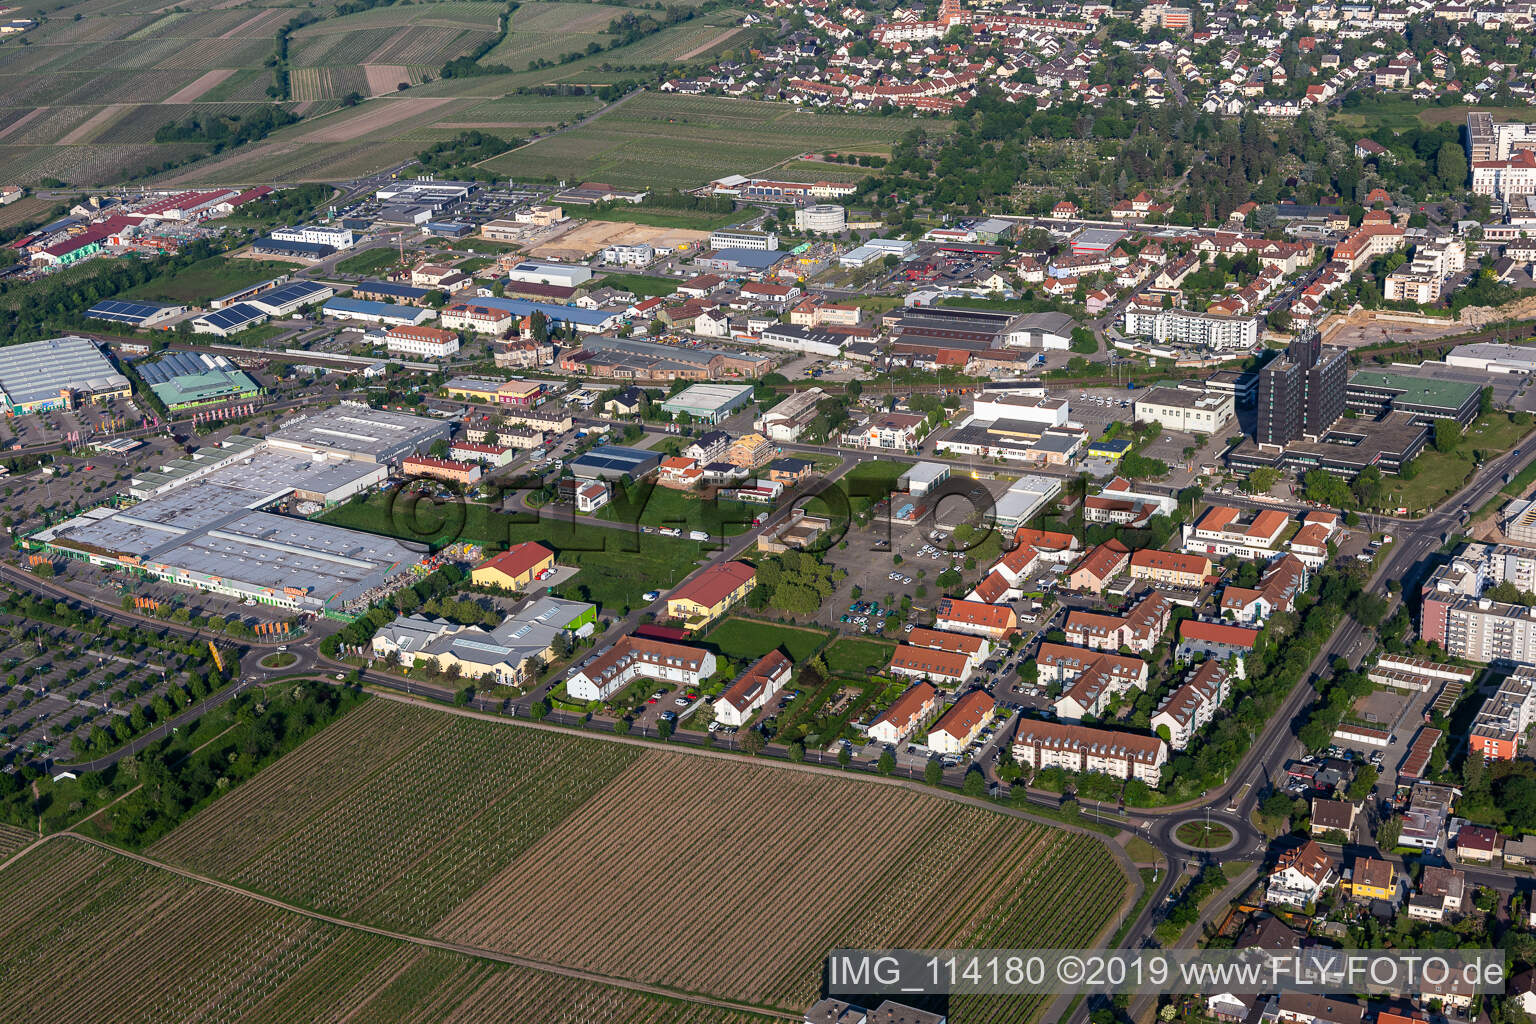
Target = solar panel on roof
(119,311)
(231,316)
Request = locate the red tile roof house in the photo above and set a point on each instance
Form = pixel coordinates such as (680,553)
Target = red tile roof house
(1479,844)
(1215,640)
(959,726)
(909,713)
(1101,678)
(1099,566)
(995,622)
(975,648)
(947,668)
(613,668)
(1300,875)
(1139,628)
(753,689)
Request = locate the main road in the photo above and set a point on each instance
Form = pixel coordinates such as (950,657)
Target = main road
(1414,542)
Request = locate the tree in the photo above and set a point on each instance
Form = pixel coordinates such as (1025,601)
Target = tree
(975,783)
(796,751)
(1485,401)
(752,742)
(539,709)
(1083,341)
(1387,834)
(1447,434)
(844,756)
(1451,166)
(621,727)
(1277,807)
(933,772)
(1364,782)
(664,730)
(1261,480)
(887,763)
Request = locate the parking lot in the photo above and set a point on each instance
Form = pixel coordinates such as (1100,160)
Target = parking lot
(58,684)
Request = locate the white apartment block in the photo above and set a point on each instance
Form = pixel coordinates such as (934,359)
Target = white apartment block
(1506,180)
(610,670)
(639,255)
(1213,330)
(1189,708)
(1080,748)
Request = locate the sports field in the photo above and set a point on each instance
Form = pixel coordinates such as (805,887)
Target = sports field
(544,845)
(661,140)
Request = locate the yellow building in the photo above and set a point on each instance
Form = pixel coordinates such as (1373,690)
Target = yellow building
(515,568)
(711,593)
(1373,879)
(1170,567)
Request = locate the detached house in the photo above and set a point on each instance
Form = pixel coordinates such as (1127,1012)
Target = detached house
(909,713)
(1300,876)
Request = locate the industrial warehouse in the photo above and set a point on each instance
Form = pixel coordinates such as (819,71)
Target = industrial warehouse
(56,374)
(185,379)
(203,521)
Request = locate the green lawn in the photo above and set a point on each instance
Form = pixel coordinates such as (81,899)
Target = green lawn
(750,639)
(666,507)
(640,284)
(1442,473)
(853,656)
(209,279)
(371,262)
(617,565)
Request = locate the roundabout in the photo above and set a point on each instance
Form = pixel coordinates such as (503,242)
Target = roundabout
(1205,836)
(278,659)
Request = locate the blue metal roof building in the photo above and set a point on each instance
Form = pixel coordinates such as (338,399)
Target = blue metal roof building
(581,319)
(611,462)
(377,312)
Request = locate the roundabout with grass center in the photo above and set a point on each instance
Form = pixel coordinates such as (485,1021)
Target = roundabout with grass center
(279,659)
(1203,835)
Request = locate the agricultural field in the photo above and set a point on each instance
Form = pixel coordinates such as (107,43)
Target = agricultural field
(659,140)
(410,864)
(13,839)
(81,100)
(461,829)
(545,29)
(90,935)
(371,52)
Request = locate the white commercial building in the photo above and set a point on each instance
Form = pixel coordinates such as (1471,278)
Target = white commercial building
(993,406)
(823,218)
(1493,357)
(725,239)
(1191,412)
(1024,497)
(1213,330)
(317,234)
(564,275)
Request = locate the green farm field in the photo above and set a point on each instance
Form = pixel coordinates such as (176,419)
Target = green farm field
(661,141)
(462,829)
(90,935)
